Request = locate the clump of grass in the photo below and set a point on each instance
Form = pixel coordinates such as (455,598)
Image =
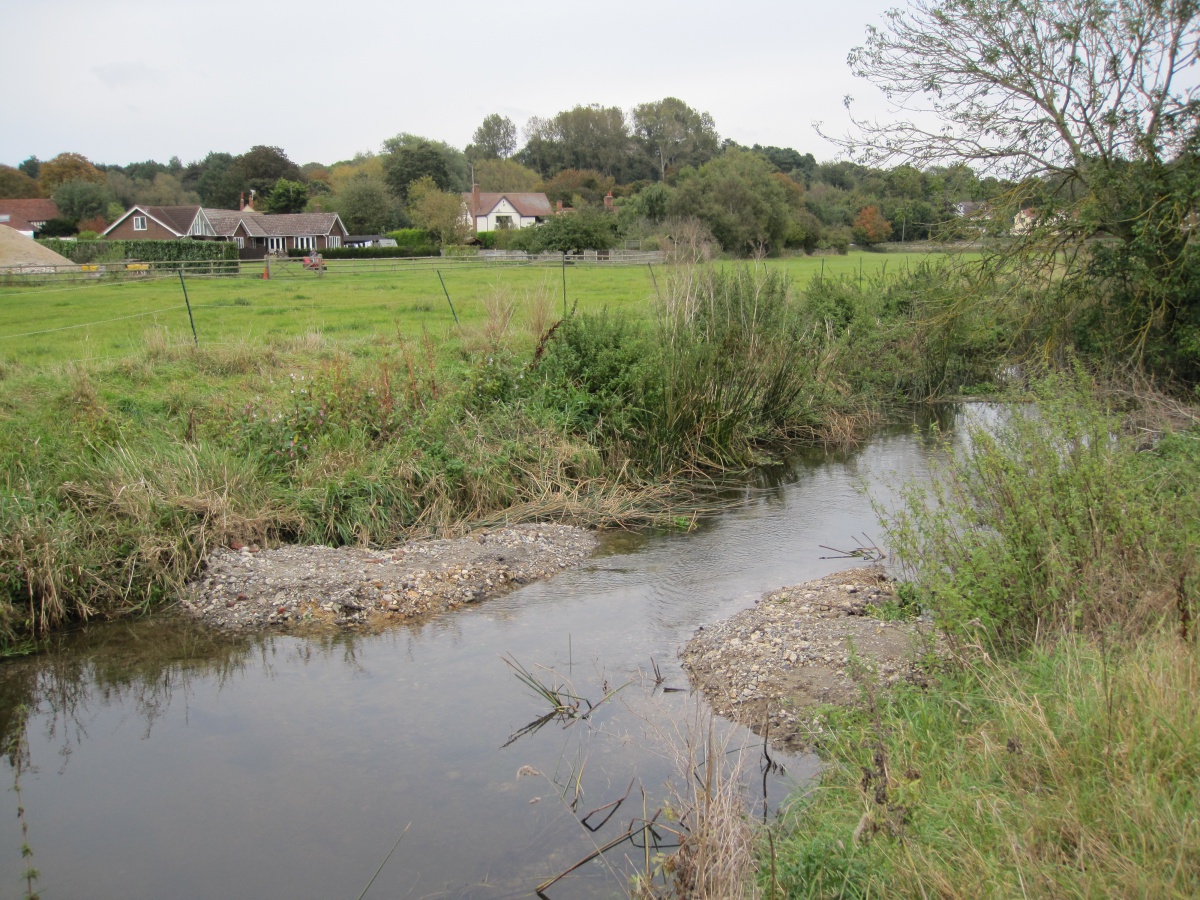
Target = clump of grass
(1073,771)
(715,858)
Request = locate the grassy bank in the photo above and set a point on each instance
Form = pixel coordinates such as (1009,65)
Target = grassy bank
(1058,752)
(120,475)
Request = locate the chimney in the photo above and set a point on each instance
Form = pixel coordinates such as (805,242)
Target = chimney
(474,199)
(558,206)
(241,201)
(608,201)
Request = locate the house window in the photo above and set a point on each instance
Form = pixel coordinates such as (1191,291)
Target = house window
(503,222)
(305,243)
(276,244)
(139,223)
(334,240)
(241,242)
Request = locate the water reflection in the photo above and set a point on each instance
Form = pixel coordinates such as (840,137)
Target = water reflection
(164,760)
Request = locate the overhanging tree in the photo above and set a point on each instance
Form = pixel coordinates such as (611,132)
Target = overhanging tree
(1097,101)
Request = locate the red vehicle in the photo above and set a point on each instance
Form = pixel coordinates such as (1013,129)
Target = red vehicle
(315,262)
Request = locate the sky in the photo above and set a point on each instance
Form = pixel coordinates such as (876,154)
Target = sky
(122,81)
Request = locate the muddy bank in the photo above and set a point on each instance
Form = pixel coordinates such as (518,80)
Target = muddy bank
(298,589)
(767,665)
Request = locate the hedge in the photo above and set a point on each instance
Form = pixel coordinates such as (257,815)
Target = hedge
(144,251)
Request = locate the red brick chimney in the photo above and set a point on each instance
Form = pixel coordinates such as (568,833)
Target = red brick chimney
(558,206)
(608,201)
(241,201)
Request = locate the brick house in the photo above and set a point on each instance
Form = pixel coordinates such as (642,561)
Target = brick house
(255,233)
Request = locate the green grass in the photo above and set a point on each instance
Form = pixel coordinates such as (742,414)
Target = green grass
(1073,771)
(108,319)
(1058,754)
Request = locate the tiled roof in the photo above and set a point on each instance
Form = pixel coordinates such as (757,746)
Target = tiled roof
(23,213)
(525,203)
(225,223)
(177,218)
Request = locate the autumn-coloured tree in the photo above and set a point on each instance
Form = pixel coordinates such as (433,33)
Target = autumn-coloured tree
(67,167)
(870,227)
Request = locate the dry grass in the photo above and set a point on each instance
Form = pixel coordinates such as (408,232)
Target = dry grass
(708,798)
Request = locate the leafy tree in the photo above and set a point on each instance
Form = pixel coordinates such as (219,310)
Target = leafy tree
(31,167)
(67,167)
(366,206)
(257,170)
(286,197)
(505,175)
(736,196)
(16,184)
(167,190)
(585,137)
(670,133)
(78,200)
(410,164)
(1094,98)
(576,187)
(142,171)
(799,166)
(653,202)
(870,227)
(438,212)
(408,157)
(495,138)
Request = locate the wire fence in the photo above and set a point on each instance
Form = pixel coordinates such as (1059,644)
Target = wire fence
(282,266)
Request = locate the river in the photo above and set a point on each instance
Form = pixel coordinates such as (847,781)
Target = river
(160,760)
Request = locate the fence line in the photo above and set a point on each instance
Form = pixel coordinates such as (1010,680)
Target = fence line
(127,271)
(5,337)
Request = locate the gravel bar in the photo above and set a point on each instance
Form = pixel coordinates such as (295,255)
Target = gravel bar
(300,589)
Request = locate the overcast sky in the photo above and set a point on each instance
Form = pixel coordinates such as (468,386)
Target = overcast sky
(126,80)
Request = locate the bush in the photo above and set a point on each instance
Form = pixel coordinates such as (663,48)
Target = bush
(584,229)
(1052,521)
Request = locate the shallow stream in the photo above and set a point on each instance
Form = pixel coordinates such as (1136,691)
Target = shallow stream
(160,760)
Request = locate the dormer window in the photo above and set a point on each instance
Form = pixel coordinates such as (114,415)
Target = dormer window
(139,223)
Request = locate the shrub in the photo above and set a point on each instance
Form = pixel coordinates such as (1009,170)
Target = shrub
(1051,521)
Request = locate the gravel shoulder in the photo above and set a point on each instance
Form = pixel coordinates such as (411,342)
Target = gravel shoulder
(793,650)
(304,589)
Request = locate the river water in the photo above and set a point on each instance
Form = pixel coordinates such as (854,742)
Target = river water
(160,760)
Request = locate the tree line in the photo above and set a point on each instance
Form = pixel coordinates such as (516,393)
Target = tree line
(661,161)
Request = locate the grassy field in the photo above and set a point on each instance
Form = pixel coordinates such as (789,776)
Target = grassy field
(48,323)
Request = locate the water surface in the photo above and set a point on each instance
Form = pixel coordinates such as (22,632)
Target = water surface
(160,760)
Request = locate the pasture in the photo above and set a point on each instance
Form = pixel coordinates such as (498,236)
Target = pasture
(59,322)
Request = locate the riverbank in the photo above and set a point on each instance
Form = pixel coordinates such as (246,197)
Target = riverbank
(121,476)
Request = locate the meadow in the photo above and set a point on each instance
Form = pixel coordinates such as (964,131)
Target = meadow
(73,321)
